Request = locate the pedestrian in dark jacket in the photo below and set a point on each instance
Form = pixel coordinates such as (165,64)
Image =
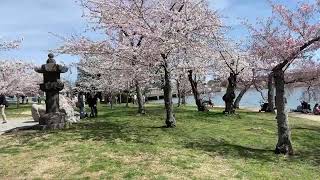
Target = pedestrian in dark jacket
(92,102)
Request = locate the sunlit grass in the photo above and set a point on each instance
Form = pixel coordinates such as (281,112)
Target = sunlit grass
(14,112)
(121,144)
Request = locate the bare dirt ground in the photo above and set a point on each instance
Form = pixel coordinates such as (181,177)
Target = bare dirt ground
(305,116)
(293,114)
(15,123)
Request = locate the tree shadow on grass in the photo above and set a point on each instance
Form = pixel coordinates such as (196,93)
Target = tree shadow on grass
(224,148)
(111,132)
(308,152)
(307,128)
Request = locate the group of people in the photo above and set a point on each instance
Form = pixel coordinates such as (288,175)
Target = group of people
(135,99)
(92,100)
(306,108)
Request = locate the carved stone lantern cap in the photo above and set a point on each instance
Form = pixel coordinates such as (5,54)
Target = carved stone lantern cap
(51,60)
(51,66)
(51,55)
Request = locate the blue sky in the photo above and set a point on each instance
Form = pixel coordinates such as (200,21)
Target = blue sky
(32,20)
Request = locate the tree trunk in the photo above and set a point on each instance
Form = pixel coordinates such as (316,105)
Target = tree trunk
(196,95)
(139,98)
(270,93)
(230,95)
(183,97)
(111,101)
(239,97)
(18,102)
(284,145)
(170,119)
(127,100)
(179,93)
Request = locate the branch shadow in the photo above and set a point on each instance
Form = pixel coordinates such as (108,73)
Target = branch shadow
(223,148)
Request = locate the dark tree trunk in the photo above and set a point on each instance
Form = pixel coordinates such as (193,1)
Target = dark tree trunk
(18,102)
(170,119)
(196,94)
(239,97)
(127,99)
(111,101)
(284,145)
(230,95)
(183,97)
(179,93)
(270,93)
(139,98)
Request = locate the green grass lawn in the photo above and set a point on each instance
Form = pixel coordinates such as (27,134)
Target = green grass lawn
(24,111)
(123,145)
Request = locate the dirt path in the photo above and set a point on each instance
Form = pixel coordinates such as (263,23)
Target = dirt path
(305,116)
(294,114)
(11,124)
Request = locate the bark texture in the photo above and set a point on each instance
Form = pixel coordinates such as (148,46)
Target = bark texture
(179,92)
(195,91)
(284,145)
(183,97)
(230,95)
(139,98)
(239,97)
(167,89)
(111,101)
(18,102)
(127,99)
(270,93)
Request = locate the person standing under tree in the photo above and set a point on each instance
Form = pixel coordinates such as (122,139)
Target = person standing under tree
(92,101)
(39,99)
(134,99)
(3,104)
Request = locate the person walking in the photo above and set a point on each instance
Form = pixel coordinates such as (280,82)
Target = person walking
(92,102)
(39,99)
(134,99)
(3,104)
(116,99)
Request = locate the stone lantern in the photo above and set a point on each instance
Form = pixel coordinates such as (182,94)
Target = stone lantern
(53,119)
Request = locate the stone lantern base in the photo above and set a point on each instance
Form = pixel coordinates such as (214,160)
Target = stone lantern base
(52,121)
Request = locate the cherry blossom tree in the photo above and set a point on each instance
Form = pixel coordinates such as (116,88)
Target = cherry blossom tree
(233,64)
(7,45)
(287,36)
(195,65)
(18,78)
(305,74)
(107,58)
(149,33)
(182,86)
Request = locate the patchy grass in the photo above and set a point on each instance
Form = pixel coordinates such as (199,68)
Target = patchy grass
(24,111)
(123,145)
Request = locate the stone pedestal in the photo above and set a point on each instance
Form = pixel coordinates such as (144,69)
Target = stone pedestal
(53,121)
